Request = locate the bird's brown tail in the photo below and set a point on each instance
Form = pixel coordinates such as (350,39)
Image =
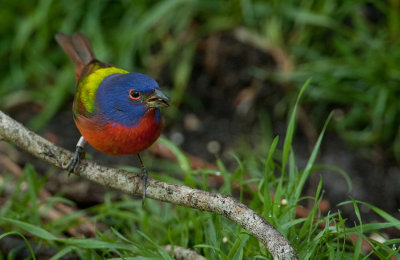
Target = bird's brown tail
(78,49)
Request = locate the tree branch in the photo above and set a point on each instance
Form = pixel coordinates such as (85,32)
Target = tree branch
(225,205)
(181,253)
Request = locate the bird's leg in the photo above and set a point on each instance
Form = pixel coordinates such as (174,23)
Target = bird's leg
(73,164)
(143,179)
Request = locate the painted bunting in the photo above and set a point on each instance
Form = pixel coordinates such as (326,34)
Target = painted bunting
(115,111)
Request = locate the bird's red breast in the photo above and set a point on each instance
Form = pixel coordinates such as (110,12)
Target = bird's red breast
(116,139)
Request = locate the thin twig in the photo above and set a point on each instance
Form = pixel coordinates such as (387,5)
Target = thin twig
(125,181)
(181,253)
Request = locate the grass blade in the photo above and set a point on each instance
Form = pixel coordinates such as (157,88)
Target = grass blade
(290,131)
(37,231)
(310,163)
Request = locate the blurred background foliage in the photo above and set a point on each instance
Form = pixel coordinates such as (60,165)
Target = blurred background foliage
(349,48)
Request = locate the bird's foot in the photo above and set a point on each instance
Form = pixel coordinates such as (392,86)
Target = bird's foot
(142,179)
(73,164)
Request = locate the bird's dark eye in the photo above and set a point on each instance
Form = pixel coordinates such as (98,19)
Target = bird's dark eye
(133,94)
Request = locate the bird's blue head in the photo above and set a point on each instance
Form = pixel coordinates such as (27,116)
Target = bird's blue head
(124,98)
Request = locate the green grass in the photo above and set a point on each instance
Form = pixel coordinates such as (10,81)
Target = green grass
(136,231)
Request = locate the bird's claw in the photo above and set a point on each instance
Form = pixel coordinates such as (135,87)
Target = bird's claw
(73,164)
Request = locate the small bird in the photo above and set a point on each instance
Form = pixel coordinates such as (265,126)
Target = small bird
(115,111)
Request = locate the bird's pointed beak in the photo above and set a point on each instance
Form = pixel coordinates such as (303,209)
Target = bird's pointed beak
(157,99)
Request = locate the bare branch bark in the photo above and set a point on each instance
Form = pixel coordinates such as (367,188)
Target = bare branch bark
(225,205)
(181,253)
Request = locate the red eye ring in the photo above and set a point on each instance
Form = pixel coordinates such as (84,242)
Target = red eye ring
(133,94)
